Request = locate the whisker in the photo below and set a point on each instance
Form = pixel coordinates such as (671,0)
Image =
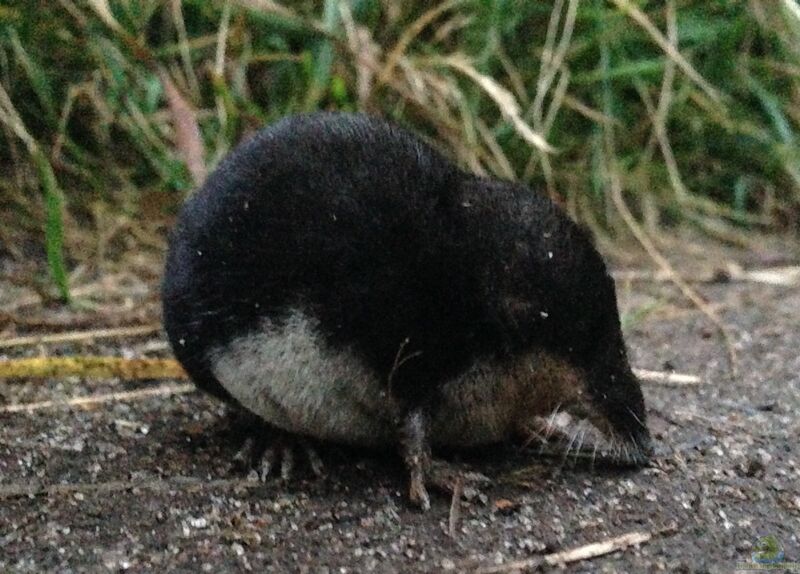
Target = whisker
(549,428)
(638,420)
(569,447)
(551,421)
(635,446)
(533,434)
(581,440)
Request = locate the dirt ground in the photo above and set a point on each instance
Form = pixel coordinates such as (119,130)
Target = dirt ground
(146,485)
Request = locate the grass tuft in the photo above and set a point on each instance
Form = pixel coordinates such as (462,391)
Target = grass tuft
(130,100)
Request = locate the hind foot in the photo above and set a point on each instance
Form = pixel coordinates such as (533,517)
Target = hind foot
(445,476)
(267,451)
(423,470)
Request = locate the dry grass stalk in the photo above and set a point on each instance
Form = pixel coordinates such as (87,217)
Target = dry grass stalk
(683,196)
(365,53)
(553,59)
(91,367)
(188,138)
(183,43)
(103,10)
(503,165)
(219,75)
(642,20)
(587,111)
(614,185)
(505,100)
(408,36)
(688,291)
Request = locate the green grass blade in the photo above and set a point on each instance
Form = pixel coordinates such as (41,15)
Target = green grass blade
(54,223)
(37,76)
(322,58)
(772,107)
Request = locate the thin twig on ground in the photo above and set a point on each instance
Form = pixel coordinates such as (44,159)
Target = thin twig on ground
(786,276)
(585,552)
(162,390)
(667,378)
(72,336)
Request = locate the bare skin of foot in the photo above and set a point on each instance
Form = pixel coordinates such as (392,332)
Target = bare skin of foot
(425,471)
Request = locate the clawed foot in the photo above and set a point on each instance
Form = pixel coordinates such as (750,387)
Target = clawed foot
(445,477)
(424,471)
(264,452)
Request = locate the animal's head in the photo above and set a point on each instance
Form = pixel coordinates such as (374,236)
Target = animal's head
(549,298)
(557,296)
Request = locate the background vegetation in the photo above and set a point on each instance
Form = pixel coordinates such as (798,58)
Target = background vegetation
(657,113)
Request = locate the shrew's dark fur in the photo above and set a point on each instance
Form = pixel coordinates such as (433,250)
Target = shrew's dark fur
(385,241)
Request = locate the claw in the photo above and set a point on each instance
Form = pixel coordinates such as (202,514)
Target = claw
(444,476)
(314,461)
(266,464)
(266,449)
(423,471)
(251,454)
(417,492)
(287,462)
(242,456)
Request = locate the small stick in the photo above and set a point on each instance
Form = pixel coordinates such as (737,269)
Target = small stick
(586,552)
(679,379)
(598,548)
(91,366)
(80,336)
(455,508)
(162,390)
(788,275)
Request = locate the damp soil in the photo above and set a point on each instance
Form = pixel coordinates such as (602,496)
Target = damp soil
(148,484)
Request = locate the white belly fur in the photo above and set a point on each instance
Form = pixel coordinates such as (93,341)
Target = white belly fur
(287,376)
(290,378)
